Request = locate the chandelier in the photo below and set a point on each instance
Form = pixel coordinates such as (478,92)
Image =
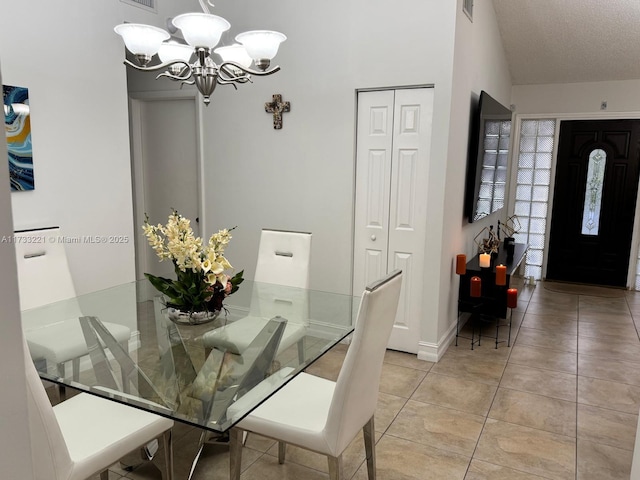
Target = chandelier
(202,32)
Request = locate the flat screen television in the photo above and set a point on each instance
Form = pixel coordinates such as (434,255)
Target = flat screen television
(488,158)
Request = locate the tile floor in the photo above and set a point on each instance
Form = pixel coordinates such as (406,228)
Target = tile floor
(561,403)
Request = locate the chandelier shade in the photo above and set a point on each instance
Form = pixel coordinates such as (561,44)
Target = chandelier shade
(141,39)
(261,44)
(202,32)
(201,29)
(234,53)
(173,50)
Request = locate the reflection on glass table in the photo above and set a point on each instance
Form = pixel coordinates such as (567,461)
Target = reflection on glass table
(166,368)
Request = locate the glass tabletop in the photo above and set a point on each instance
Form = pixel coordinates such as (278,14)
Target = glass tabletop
(123,344)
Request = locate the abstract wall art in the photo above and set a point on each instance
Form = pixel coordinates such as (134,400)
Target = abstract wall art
(17,121)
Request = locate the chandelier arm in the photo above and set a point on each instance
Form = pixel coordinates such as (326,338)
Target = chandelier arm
(226,82)
(225,76)
(160,66)
(204,6)
(250,71)
(177,78)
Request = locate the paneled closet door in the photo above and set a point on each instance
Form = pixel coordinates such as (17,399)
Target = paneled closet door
(392,167)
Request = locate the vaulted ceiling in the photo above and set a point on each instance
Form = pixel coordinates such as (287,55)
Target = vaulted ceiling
(565,41)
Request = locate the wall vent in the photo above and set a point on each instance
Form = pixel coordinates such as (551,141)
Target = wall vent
(146,4)
(467,8)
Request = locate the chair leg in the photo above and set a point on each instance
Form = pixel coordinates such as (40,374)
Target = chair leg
(104,475)
(301,354)
(123,374)
(75,365)
(167,438)
(335,468)
(62,391)
(510,322)
(235,453)
(369,433)
(282,450)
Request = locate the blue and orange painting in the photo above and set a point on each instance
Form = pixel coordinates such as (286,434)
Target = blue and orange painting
(17,123)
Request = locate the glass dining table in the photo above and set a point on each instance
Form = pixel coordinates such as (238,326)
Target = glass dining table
(192,373)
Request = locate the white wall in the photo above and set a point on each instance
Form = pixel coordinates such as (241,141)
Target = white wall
(479,64)
(79,119)
(577,98)
(77,92)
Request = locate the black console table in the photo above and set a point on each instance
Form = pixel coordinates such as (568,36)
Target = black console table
(492,302)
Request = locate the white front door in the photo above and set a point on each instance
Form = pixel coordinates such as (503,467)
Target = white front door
(392,166)
(165,164)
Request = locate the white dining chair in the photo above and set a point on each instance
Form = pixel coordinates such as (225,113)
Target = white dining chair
(283,259)
(86,434)
(325,416)
(44,278)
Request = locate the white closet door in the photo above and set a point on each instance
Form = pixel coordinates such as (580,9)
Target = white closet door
(408,212)
(373,184)
(397,188)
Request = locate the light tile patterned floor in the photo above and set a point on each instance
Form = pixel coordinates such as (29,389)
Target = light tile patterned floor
(561,403)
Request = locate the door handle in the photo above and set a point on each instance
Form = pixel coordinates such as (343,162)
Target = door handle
(373,238)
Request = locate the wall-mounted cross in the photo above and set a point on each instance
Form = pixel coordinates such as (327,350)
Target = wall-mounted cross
(277,107)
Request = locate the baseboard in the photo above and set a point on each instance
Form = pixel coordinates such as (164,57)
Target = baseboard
(433,352)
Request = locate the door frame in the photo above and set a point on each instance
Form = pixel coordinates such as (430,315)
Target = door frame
(635,240)
(136,99)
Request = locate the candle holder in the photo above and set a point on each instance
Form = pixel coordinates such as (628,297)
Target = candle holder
(475,305)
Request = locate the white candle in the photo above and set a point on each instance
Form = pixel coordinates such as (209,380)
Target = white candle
(485,260)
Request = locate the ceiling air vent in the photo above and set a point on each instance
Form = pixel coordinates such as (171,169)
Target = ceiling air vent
(146,4)
(467,8)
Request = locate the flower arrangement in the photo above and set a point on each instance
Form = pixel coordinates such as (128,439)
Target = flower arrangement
(201,284)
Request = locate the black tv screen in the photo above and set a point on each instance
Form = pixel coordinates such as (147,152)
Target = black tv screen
(488,158)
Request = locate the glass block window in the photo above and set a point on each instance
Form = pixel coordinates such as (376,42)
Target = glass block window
(533,177)
(593,193)
(493,177)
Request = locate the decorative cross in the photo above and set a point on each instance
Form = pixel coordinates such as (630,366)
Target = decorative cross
(277,107)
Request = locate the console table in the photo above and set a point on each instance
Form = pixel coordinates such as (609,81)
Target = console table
(492,302)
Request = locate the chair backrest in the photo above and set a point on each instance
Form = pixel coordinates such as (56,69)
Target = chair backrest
(44,277)
(283,260)
(43,271)
(356,393)
(49,453)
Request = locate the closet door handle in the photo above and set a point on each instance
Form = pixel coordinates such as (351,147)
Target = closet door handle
(373,238)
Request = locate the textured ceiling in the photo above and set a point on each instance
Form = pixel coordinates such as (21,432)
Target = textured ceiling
(563,41)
